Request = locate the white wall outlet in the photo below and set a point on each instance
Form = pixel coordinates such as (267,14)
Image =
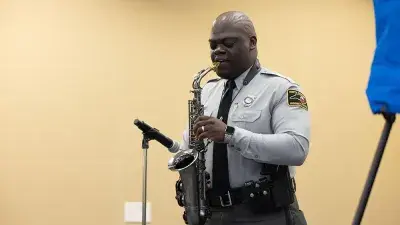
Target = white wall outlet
(133,212)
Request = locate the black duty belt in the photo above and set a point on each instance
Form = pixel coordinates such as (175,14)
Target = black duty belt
(233,196)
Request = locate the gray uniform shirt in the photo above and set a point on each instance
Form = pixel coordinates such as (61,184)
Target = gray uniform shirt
(269,126)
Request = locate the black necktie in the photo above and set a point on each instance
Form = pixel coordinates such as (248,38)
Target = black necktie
(220,159)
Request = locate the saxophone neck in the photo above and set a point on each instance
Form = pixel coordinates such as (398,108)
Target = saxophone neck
(203,73)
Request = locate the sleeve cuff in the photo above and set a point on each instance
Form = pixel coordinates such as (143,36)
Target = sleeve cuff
(240,140)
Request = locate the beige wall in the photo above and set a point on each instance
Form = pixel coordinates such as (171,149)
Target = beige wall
(75,74)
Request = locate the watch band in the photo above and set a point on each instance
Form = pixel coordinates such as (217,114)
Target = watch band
(229,131)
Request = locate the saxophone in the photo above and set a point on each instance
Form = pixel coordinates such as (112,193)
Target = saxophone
(192,184)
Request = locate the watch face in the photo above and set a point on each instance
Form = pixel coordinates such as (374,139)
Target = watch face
(230,130)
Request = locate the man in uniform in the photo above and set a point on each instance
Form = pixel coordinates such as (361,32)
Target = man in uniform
(259,125)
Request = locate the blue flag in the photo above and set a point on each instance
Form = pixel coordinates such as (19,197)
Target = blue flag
(383,90)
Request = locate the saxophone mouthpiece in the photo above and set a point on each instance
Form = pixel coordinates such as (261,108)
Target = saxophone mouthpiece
(215,65)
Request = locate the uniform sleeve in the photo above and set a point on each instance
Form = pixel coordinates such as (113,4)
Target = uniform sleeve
(289,143)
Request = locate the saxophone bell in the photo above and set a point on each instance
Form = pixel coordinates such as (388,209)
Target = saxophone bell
(182,160)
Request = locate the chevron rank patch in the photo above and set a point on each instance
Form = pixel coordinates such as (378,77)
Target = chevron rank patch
(296,98)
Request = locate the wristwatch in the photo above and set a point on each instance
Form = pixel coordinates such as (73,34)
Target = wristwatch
(229,131)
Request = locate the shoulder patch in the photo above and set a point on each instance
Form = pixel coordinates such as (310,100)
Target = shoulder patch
(213,80)
(296,98)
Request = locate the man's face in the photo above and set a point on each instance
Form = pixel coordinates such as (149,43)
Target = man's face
(230,46)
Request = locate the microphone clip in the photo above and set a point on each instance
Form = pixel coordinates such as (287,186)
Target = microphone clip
(147,137)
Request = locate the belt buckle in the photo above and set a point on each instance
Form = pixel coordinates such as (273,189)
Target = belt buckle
(229,203)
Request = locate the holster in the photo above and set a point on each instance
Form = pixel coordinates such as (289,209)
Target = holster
(272,192)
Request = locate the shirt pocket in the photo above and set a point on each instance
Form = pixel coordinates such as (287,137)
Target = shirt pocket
(247,119)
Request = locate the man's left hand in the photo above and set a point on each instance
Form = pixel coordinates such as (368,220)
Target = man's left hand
(214,129)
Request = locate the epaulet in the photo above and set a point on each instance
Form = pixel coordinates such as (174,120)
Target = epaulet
(213,80)
(272,73)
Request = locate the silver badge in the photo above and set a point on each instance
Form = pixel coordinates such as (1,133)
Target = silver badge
(248,101)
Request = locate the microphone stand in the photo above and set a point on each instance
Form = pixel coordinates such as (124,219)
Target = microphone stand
(390,118)
(147,137)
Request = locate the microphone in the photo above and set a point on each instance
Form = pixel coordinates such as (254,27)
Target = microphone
(153,133)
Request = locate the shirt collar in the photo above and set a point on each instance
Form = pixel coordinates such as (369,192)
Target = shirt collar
(239,80)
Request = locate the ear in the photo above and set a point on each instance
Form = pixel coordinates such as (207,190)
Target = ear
(253,42)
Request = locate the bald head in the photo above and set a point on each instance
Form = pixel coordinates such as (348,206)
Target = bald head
(238,19)
(233,42)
